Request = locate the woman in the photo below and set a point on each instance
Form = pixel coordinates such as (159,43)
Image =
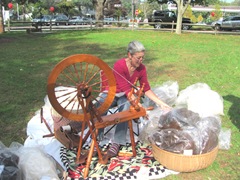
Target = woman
(126,71)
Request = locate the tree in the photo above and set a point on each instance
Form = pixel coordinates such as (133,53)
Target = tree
(181,8)
(114,8)
(147,8)
(98,5)
(236,2)
(1,19)
(217,13)
(83,4)
(189,14)
(200,18)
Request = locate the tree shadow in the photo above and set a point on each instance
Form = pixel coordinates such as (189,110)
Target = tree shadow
(234,110)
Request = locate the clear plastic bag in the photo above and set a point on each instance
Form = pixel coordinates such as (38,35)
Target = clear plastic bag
(150,126)
(36,164)
(173,140)
(9,168)
(209,128)
(167,92)
(182,130)
(26,163)
(225,139)
(177,118)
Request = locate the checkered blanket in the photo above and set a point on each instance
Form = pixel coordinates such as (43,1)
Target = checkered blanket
(143,165)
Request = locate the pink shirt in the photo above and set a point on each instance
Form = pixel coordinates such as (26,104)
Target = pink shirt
(122,77)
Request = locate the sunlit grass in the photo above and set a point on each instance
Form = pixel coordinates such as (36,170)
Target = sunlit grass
(27,59)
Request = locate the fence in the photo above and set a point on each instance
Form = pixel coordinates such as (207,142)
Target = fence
(130,25)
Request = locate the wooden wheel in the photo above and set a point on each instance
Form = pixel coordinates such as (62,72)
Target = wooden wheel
(69,75)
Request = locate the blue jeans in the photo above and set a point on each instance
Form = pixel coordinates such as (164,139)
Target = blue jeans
(121,128)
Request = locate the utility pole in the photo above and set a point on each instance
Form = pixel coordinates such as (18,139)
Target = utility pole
(132,9)
(133,13)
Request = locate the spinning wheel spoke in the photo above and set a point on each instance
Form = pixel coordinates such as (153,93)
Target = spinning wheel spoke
(72,77)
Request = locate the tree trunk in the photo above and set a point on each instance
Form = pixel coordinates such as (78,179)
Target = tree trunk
(1,20)
(179,24)
(179,16)
(180,11)
(99,5)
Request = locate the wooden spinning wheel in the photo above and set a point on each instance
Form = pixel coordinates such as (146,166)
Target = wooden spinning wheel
(73,72)
(75,85)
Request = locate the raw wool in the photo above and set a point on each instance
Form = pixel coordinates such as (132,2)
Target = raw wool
(36,164)
(201,99)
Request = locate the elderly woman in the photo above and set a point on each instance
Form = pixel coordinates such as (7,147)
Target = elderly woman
(126,71)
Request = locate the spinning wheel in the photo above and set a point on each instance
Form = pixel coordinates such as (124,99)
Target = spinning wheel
(69,77)
(75,86)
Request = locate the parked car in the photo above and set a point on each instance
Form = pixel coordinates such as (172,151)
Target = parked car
(87,20)
(109,20)
(60,19)
(75,20)
(158,19)
(228,23)
(42,20)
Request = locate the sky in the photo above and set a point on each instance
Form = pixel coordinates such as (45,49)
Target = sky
(228,1)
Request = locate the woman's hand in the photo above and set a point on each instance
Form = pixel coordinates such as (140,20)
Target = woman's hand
(165,107)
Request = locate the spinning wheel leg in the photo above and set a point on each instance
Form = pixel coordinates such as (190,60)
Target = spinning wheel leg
(89,159)
(132,138)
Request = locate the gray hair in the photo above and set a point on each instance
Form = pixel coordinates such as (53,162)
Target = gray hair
(134,47)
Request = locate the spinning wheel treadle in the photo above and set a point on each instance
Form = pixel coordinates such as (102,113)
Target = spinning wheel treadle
(72,72)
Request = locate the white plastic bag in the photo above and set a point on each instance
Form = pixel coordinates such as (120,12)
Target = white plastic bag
(200,99)
(36,164)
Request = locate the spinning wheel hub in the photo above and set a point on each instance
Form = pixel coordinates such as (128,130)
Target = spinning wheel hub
(83,90)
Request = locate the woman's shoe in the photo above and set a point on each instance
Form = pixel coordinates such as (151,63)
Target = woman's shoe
(111,152)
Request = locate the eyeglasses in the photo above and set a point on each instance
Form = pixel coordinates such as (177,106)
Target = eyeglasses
(139,58)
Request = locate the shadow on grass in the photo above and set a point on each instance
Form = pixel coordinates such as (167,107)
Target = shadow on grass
(234,110)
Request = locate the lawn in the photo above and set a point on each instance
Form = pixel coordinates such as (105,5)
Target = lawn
(27,59)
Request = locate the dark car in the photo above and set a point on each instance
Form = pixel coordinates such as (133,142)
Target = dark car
(42,20)
(60,19)
(159,19)
(228,23)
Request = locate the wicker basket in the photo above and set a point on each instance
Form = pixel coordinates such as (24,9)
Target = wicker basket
(183,163)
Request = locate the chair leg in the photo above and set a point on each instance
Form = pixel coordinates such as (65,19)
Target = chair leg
(110,129)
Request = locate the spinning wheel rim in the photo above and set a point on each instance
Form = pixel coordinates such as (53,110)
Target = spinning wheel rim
(72,60)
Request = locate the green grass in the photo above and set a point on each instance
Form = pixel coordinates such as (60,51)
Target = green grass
(27,59)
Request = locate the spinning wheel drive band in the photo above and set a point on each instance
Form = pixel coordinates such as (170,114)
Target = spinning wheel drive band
(70,75)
